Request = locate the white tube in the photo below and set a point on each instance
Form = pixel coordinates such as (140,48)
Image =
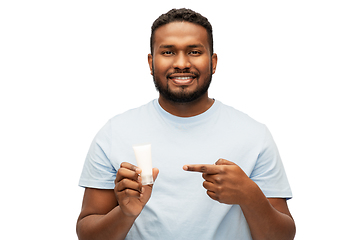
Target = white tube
(143,160)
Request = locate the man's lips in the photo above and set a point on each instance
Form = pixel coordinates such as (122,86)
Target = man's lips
(182,79)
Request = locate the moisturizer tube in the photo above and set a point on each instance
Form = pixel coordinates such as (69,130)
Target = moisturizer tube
(143,160)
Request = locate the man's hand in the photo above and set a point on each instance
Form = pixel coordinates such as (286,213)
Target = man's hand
(130,193)
(225,182)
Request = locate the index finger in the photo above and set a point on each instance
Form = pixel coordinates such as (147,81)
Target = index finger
(130,167)
(127,170)
(202,168)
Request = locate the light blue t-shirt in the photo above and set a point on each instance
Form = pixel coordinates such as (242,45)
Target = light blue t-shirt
(179,207)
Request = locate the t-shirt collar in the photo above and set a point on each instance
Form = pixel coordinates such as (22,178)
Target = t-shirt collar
(186,120)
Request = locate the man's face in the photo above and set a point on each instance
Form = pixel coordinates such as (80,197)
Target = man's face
(181,64)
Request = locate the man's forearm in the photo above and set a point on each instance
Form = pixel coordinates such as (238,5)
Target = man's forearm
(267,223)
(114,225)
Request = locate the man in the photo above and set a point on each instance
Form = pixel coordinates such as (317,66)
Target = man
(245,190)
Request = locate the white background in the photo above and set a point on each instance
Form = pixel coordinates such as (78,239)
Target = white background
(66,67)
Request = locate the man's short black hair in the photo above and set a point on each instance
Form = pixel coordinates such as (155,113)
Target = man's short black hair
(182,15)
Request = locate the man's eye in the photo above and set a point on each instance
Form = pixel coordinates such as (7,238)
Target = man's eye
(194,52)
(168,53)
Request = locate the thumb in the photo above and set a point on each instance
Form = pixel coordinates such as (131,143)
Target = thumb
(155,173)
(222,161)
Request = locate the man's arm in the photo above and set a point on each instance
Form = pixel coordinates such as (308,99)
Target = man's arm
(269,219)
(109,214)
(101,216)
(227,183)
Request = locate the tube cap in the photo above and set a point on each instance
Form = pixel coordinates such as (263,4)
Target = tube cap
(146,180)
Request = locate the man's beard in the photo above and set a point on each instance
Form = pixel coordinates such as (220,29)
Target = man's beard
(182,96)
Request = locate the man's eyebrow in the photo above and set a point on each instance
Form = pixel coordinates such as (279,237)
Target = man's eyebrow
(166,46)
(196,46)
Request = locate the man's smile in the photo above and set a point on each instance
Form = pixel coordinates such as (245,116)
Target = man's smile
(182,79)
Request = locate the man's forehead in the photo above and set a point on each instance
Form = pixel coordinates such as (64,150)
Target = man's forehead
(181,32)
(199,45)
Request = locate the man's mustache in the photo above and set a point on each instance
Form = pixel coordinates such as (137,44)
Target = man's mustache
(182,72)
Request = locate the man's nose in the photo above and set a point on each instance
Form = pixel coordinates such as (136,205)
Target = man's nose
(182,61)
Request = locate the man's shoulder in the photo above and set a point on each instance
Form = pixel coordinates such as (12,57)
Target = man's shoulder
(134,114)
(234,114)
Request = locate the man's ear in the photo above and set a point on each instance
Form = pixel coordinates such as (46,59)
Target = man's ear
(150,61)
(214,62)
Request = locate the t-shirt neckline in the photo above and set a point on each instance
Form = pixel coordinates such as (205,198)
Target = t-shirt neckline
(186,120)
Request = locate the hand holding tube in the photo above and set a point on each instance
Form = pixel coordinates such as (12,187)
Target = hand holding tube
(129,191)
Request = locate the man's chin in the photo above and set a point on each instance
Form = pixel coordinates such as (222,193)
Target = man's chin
(182,94)
(180,98)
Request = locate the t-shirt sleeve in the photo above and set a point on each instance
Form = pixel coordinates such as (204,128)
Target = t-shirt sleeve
(269,173)
(98,171)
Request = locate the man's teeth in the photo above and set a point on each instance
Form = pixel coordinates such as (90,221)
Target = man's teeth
(183,78)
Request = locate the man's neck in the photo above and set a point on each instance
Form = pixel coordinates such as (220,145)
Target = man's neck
(189,109)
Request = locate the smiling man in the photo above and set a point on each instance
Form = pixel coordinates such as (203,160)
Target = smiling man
(182,64)
(219,174)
